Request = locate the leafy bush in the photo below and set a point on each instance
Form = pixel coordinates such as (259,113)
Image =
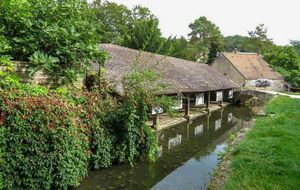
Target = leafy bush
(102,148)
(1,153)
(43,144)
(59,37)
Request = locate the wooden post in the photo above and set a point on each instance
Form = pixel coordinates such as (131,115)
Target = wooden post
(208,101)
(187,107)
(155,121)
(221,103)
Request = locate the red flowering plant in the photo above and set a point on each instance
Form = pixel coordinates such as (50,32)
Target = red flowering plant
(43,145)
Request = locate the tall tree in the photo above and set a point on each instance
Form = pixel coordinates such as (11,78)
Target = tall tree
(144,33)
(180,48)
(206,40)
(113,20)
(259,38)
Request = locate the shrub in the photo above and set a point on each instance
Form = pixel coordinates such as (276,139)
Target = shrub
(102,148)
(1,153)
(44,146)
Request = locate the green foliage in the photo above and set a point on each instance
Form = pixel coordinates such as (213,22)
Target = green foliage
(241,43)
(44,146)
(282,56)
(113,20)
(2,164)
(180,48)
(59,37)
(102,148)
(144,34)
(259,38)
(135,28)
(296,45)
(293,78)
(206,40)
(269,156)
(6,67)
(286,61)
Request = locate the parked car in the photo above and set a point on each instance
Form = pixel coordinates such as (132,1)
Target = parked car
(262,83)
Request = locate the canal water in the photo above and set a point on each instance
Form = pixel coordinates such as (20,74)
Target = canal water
(187,156)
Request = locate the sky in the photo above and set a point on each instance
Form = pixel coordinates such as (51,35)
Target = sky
(281,17)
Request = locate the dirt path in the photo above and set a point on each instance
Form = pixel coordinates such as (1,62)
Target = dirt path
(280,93)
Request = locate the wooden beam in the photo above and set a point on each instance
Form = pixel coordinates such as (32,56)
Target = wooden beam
(187,107)
(208,100)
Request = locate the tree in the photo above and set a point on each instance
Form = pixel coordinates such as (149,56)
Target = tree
(57,36)
(282,56)
(259,38)
(180,48)
(206,40)
(113,19)
(296,45)
(144,33)
(286,61)
(241,43)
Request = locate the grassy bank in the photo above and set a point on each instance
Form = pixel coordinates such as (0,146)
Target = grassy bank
(269,157)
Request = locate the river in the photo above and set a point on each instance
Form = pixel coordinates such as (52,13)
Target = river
(187,156)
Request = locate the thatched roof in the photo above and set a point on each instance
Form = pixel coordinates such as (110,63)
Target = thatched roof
(180,76)
(252,66)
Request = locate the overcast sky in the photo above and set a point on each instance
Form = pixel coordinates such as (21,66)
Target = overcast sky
(282,17)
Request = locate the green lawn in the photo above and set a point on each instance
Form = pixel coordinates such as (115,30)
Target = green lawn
(269,157)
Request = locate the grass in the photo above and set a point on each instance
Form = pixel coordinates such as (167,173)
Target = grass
(293,93)
(269,157)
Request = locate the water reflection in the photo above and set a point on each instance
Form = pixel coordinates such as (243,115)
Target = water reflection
(187,154)
(198,130)
(174,141)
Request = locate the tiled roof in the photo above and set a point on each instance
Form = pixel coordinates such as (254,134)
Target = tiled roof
(252,66)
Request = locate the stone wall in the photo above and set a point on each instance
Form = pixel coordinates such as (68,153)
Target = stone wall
(276,85)
(40,77)
(243,96)
(223,66)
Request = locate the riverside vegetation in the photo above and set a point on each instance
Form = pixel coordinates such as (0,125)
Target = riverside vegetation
(50,138)
(269,156)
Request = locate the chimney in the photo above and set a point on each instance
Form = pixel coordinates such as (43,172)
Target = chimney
(235,50)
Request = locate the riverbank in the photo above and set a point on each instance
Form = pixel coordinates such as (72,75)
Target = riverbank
(268,157)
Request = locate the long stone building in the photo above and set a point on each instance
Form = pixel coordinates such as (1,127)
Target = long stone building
(194,83)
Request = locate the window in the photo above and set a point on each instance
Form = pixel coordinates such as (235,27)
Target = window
(219,96)
(157,110)
(230,94)
(199,99)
